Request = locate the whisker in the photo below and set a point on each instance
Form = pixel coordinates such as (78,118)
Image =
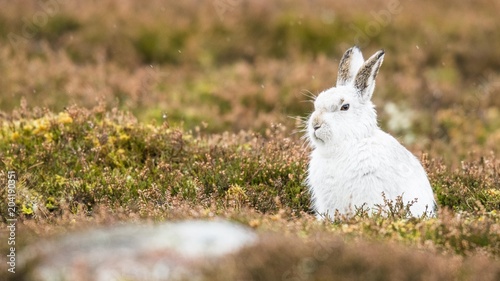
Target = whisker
(302,124)
(308,100)
(298,118)
(300,130)
(306,143)
(308,94)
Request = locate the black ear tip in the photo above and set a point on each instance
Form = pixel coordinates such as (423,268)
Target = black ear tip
(352,50)
(380,53)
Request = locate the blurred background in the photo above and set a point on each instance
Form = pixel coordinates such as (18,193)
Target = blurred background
(231,65)
(76,77)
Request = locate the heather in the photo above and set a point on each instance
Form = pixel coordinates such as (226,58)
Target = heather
(123,111)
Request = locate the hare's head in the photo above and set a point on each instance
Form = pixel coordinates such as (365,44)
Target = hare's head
(345,112)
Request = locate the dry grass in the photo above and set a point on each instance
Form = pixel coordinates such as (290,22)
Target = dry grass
(236,72)
(119,111)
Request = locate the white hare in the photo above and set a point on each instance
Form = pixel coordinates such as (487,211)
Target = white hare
(354,162)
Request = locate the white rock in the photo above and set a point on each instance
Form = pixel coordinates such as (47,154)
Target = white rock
(135,252)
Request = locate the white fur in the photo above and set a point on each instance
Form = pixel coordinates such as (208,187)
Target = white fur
(353,161)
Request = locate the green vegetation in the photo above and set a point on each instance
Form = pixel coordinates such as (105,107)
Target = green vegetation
(125,111)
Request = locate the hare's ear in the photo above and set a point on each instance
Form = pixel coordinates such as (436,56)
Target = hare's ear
(365,79)
(349,65)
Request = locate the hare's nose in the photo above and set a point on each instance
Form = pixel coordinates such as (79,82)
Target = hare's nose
(316,123)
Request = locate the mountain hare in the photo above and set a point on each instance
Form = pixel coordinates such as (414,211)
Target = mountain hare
(354,164)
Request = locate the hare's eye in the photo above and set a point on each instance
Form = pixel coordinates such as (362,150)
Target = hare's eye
(344,107)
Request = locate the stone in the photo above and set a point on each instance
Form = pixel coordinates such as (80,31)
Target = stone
(166,251)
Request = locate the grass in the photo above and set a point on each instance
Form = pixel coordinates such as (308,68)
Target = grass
(123,112)
(81,168)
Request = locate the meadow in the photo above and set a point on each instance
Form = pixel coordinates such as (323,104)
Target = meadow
(125,111)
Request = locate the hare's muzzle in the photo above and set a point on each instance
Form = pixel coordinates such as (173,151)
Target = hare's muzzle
(316,121)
